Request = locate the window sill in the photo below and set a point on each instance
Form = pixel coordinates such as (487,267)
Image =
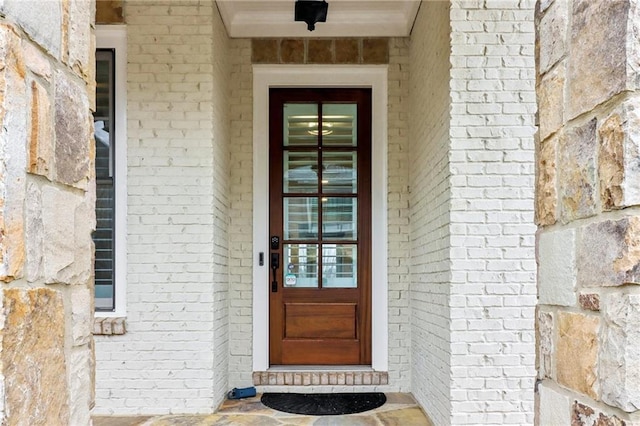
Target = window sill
(109,326)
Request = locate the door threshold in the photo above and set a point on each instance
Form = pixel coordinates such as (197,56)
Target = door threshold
(322,375)
(315,368)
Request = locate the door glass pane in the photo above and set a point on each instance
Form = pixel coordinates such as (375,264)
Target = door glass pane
(300,172)
(339,172)
(339,122)
(339,218)
(339,265)
(301,265)
(300,125)
(300,218)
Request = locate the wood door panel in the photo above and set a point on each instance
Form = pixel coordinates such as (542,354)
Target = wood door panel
(320,293)
(320,352)
(317,321)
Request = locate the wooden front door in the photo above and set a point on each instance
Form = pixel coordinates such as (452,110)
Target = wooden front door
(320,226)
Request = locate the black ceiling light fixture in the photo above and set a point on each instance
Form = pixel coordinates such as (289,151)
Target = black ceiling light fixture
(311,11)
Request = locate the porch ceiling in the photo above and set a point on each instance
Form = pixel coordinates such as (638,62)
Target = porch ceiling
(345,18)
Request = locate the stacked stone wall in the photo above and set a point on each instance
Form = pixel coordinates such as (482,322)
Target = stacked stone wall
(588,193)
(47,199)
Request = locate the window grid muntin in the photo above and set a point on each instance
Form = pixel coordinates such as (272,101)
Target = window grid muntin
(319,148)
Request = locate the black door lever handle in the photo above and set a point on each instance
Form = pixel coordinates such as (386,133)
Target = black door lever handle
(275,264)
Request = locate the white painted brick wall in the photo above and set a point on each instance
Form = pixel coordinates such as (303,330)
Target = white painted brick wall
(430,199)
(398,216)
(492,291)
(173,358)
(220,94)
(241,220)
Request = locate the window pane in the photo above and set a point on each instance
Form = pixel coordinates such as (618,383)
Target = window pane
(300,125)
(301,263)
(339,218)
(339,172)
(339,265)
(300,218)
(103,237)
(340,123)
(300,172)
(104,66)
(103,240)
(103,149)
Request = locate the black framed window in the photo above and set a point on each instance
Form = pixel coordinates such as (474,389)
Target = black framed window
(104,236)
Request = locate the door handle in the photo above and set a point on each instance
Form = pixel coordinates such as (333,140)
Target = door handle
(275,242)
(275,264)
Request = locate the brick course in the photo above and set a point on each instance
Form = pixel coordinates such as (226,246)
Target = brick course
(320,51)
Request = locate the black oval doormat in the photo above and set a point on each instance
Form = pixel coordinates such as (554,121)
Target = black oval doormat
(323,404)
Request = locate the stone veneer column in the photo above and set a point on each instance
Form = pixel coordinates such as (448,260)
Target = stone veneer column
(587,210)
(47,198)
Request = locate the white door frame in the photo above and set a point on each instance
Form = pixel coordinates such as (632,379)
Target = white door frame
(375,77)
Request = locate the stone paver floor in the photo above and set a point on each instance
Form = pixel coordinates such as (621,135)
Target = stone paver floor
(399,410)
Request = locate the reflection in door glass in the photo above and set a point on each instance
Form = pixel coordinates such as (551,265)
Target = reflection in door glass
(339,122)
(339,172)
(339,265)
(300,172)
(300,125)
(339,218)
(300,218)
(301,265)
